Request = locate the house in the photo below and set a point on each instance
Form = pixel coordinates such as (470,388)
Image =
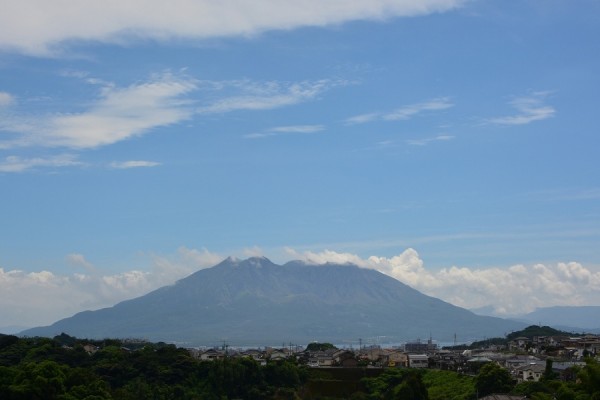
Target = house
(449,360)
(256,355)
(252,353)
(529,373)
(520,343)
(396,358)
(344,358)
(313,362)
(418,361)
(90,348)
(371,353)
(211,354)
(277,355)
(325,358)
(418,347)
(521,360)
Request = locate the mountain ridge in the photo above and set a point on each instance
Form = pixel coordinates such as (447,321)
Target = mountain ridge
(255,301)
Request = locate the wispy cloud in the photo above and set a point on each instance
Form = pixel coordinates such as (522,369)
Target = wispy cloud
(410,111)
(133,164)
(426,141)
(286,130)
(117,114)
(402,113)
(363,118)
(266,96)
(121,113)
(6,99)
(17,164)
(79,260)
(40,27)
(529,109)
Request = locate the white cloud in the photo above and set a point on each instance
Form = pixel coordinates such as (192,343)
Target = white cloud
(410,111)
(284,130)
(118,114)
(78,260)
(198,259)
(41,27)
(18,164)
(402,113)
(6,99)
(297,129)
(266,96)
(426,141)
(530,108)
(326,256)
(38,298)
(133,164)
(362,118)
(514,290)
(254,251)
(122,113)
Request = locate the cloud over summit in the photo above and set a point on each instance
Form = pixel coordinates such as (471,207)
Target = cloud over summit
(517,289)
(43,297)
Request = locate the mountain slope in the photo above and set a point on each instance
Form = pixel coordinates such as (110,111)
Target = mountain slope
(257,302)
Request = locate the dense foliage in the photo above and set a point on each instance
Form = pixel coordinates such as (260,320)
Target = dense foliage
(397,384)
(448,385)
(316,346)
(40,368)
(536,330)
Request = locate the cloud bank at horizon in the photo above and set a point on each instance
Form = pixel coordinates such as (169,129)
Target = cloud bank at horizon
(38,298)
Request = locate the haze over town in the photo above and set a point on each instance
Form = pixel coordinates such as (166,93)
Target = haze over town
(450,144)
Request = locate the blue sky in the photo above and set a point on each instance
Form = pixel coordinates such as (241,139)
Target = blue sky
(454,137)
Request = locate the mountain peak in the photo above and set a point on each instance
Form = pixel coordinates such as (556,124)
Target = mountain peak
(252,262)
(257,301)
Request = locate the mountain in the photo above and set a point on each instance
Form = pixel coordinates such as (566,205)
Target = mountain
(578,318)
(257,302)
(10,329)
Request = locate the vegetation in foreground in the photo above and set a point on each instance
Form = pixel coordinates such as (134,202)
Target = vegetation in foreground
(61,368)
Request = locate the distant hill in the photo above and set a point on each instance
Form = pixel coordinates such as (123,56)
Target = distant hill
(257,302)
(536,330)
(10,329)
(576,318)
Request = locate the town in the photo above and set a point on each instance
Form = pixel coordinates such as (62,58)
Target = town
(524,357)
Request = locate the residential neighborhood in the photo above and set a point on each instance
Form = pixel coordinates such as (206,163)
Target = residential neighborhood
(525,358)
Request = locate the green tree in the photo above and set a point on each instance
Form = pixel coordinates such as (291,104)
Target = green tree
(549,373)
(411,388)
(590,377)
(492,378)
(449,385)
(43,380)
(315,346)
